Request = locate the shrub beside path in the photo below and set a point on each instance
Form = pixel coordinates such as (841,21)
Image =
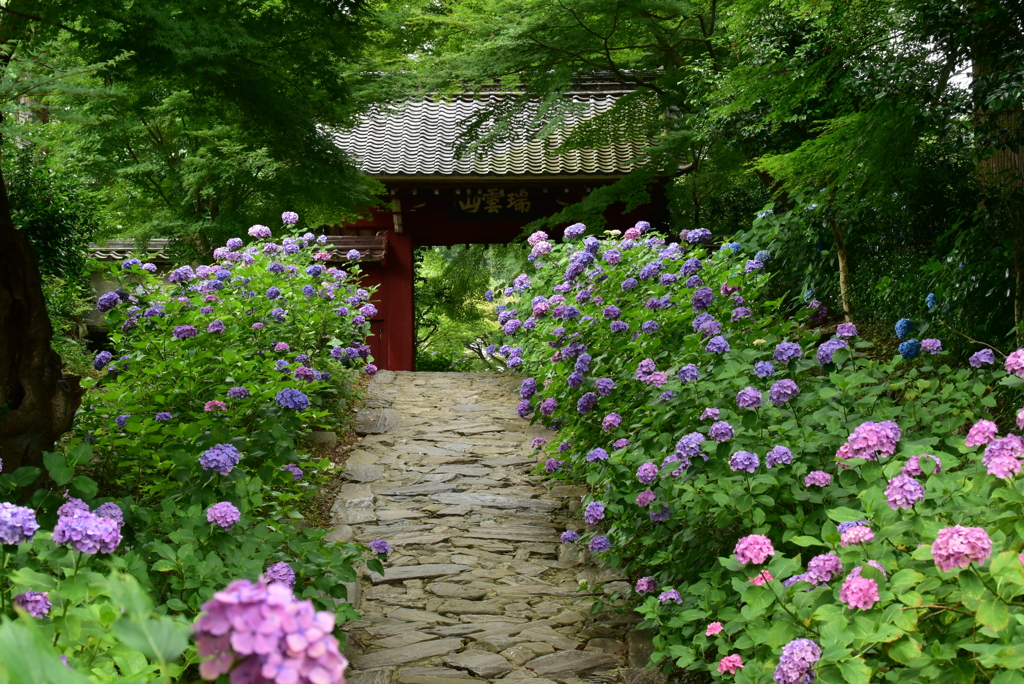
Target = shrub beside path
(478,586)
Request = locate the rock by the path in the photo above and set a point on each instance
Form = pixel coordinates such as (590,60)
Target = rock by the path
(406,654)
(381,676)
(463,607)
(433,675)
(376,421)
(640,643)
(403,639)
(480,663)
(363,472)
(323,438)
(481,499)
(632,675)
(518,654)
(342,534)
(572,662)
(459,591)
(409,572)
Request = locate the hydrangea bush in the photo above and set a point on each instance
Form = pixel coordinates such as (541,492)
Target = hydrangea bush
(788,508)
(183,471)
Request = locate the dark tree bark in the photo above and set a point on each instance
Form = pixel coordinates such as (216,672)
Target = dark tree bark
(37,401)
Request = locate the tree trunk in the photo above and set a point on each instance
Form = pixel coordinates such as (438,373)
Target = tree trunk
(37,402)
(844,269)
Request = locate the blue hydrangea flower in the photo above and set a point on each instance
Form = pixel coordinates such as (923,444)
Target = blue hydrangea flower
(903,327)
(910,349)
(930,300)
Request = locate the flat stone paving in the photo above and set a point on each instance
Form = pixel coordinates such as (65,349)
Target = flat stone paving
(478,587)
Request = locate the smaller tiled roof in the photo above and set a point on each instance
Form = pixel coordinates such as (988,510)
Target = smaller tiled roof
(419,138)
(119,250)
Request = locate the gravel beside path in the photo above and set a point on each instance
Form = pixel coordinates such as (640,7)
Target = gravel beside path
(478,587)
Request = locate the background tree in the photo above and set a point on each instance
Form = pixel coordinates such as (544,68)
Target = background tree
(274,68)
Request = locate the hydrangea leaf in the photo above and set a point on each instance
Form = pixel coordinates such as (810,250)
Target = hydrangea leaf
(993,614)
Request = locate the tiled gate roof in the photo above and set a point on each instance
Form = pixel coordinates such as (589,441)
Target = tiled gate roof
(419,138)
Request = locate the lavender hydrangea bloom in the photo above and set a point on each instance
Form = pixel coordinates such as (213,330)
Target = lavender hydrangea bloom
(931,345)
(702,299)
(662,515)
(604,386)
(295,470)
(181,275)
(817,478)
(845,526)
(619,326)
(183,332)
(796,664)
(222,458)
(826,350)
(17,524)
(574,231)
(787,351)
(721,431)
(903,491)
(846,330)
(87,532)
(693,282)
(269,634)
(570,537)
(649,326)
(593,513)
(691,267)
(717,345)
(122,419)
(985,357)
(72,507)
(629,284)
(292,399)
(670,595)
(600,544)
(587,403)
(597,454)
(224,514)
(647,473)
(163,417)
(528,389)
(749,397)
(238,393)
(753,265)
(782,391)
(764,369)
(34,603)
(102,359)
(548,406)
(824,568)
(112,511)
(744,461)
(697,236)
(689,373)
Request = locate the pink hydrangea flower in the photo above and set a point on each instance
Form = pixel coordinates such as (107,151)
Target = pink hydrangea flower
(1002,456)
(903,491)
(644,498)
(713,629)
(282,347)
(817,478)
(646,585)
(956,547)
(1020,419)
(754,548)
(871,440)
(730,663)
(1015,363)
(713,413)
(761,578)
(860,534)
(859,592)
(983,432)
(913,466)
(215,406)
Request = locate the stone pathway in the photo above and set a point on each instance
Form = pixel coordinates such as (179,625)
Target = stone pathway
(478,587)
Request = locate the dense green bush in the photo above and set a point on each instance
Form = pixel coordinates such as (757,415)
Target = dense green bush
(725,444)
(189,441)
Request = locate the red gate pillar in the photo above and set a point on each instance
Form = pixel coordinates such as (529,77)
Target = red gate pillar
(399,325)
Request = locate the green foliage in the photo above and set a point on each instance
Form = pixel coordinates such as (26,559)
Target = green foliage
(157,408)
(925,625)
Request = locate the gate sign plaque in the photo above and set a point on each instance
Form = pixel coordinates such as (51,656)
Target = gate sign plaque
(495,203)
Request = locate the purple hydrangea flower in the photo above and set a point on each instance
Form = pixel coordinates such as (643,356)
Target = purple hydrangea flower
(600,544)
(646,585)
(292,399)
(574,231)
(223,514)
(108,301)
(281,572)
(717,345)
(380,546)
(817,478)
(645,497)
(749,397)
(721,431)
(846,330)
(744,461)
(903,491)
(957,547)
(587,403)
(238,393)
(17,524)
(295,470)
(269,634)
(787,351)
(222,458)
(647,473)
(548,406)
(931,345)
(697,236)
(183,332)
(597,454)
(122,419)
(710,414)
(824,568)
(102,359)
(694,281)
(87,532)
(778,455)
(981,358)
(111,510)
(702,299)
(689,373)
(570,537)
(551,465)
(593,513)
(764,369)
(662,515)
(782,391)
(796,663)
(34,603)
(691,266)
(670,595)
